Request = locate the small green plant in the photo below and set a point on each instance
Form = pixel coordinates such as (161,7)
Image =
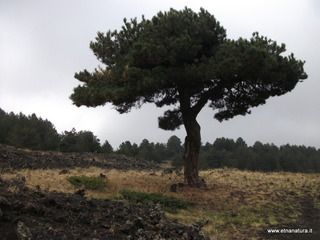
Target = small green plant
(91,183)
(167,202)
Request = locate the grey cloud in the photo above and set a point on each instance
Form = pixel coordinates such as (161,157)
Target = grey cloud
(43,43)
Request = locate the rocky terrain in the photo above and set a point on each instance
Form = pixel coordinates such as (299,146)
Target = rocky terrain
(12,158)
(37,214)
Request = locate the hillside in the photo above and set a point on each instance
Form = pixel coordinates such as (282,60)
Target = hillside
(36,199)
(15,158)
(27,213)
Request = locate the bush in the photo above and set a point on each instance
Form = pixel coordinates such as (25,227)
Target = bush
(168,202)
(91,183)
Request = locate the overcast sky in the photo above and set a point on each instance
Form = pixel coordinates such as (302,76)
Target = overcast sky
(43,43)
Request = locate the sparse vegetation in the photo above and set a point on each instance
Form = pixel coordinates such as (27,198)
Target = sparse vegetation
(237,205)
(92,183)
(167,202)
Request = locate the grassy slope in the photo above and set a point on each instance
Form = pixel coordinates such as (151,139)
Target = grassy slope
(238,205)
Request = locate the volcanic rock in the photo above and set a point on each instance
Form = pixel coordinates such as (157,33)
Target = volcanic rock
(12,158)
(28,214)
(36,214)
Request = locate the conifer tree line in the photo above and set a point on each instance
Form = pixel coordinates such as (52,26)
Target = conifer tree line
(35,133)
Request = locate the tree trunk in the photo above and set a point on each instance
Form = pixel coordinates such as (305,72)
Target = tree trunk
(191,155)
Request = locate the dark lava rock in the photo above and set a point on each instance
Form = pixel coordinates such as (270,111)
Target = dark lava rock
(28,214)
(12,158)
(36,215)
(102,175)
(64,171)
(174,187)
(81,192)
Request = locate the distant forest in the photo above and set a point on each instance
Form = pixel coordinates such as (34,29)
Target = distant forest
(36,133)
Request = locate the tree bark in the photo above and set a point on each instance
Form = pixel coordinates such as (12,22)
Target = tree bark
(191,155)
(192,142)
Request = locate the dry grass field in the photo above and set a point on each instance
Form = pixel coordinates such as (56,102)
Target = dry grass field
(237,204)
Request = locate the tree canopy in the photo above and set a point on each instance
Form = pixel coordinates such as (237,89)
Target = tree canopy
(180,53)
(28,131)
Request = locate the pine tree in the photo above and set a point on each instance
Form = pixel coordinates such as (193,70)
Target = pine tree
(183,59)
(106,147)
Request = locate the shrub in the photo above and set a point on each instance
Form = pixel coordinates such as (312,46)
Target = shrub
(91,183)
(168,202)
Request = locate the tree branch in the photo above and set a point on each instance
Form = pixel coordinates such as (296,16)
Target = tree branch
(205,98)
